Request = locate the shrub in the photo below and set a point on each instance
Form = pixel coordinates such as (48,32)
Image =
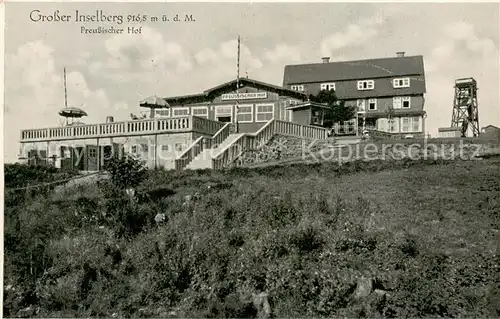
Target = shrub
(19,175)
(126,171)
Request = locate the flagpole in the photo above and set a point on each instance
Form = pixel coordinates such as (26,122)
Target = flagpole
(237,86)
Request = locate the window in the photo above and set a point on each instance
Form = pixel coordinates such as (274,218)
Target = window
(415,124)
(92,152)
(165,148)
(144,147)
(401,83)
(299,88)
(328,86)
(178,147)
(372,104)
(366,85)
(223,111)
(245,113)
(133,149)
(264,112)
(200,111)
(361,106)
(180,111)
(397,102)
(317,118)
(162,113)
(406,124)
(406,102)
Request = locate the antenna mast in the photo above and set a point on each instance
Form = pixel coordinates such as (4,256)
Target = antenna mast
(237,85)
(65,92)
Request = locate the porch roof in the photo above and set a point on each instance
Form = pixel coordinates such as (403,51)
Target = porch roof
(308,104)
(397,113)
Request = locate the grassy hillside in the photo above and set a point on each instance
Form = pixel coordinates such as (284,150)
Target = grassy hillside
(405,238)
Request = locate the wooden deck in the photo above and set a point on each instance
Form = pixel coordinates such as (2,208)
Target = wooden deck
(122,129)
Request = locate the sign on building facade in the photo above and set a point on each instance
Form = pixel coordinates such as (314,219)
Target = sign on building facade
(244,96)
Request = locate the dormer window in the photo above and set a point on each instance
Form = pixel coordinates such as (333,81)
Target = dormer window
(401,83)
(372,104)
(366,85)
(328,86)
(299,88)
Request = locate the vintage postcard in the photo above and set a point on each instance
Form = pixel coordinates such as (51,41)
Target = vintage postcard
(258,160)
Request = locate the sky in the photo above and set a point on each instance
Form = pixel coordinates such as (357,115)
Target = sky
(110,74)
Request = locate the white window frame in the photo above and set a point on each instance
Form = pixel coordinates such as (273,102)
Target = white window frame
(415,120)
(245,113)
(372,101)
(165,149)
(397,102)
(328,86)
(257,113)
(370,85)
(133,149)
(407,128)
(298,88)
(179,108)
(401,83)
(406,99)
(162,110)
(199,108)
(218,113)
(361,106)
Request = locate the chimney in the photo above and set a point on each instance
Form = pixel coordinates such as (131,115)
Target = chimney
(400,54)
(325,59)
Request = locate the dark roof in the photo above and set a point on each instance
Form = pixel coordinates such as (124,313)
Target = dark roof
(306,105)
(353,70)
(210,94)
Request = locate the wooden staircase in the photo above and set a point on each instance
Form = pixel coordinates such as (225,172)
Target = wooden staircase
(224,148)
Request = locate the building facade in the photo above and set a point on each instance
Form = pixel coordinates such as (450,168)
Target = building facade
(174,124)
(389,93)
(250,106)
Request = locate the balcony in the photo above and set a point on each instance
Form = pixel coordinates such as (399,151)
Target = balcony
(122,129)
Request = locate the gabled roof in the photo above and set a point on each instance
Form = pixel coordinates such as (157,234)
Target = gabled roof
(210,94)
(353,70)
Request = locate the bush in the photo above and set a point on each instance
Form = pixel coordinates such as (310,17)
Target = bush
(126,172)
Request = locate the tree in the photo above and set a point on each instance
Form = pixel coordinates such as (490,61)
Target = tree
(389,112)
(337,110)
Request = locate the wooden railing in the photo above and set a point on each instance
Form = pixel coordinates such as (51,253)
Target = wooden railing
(204,125)
(191,152)
(243,143)
(122,129)
(294,129)
(261,137)
(201,144)
(221,135)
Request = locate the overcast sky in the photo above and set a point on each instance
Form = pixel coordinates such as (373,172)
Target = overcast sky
(109,74)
